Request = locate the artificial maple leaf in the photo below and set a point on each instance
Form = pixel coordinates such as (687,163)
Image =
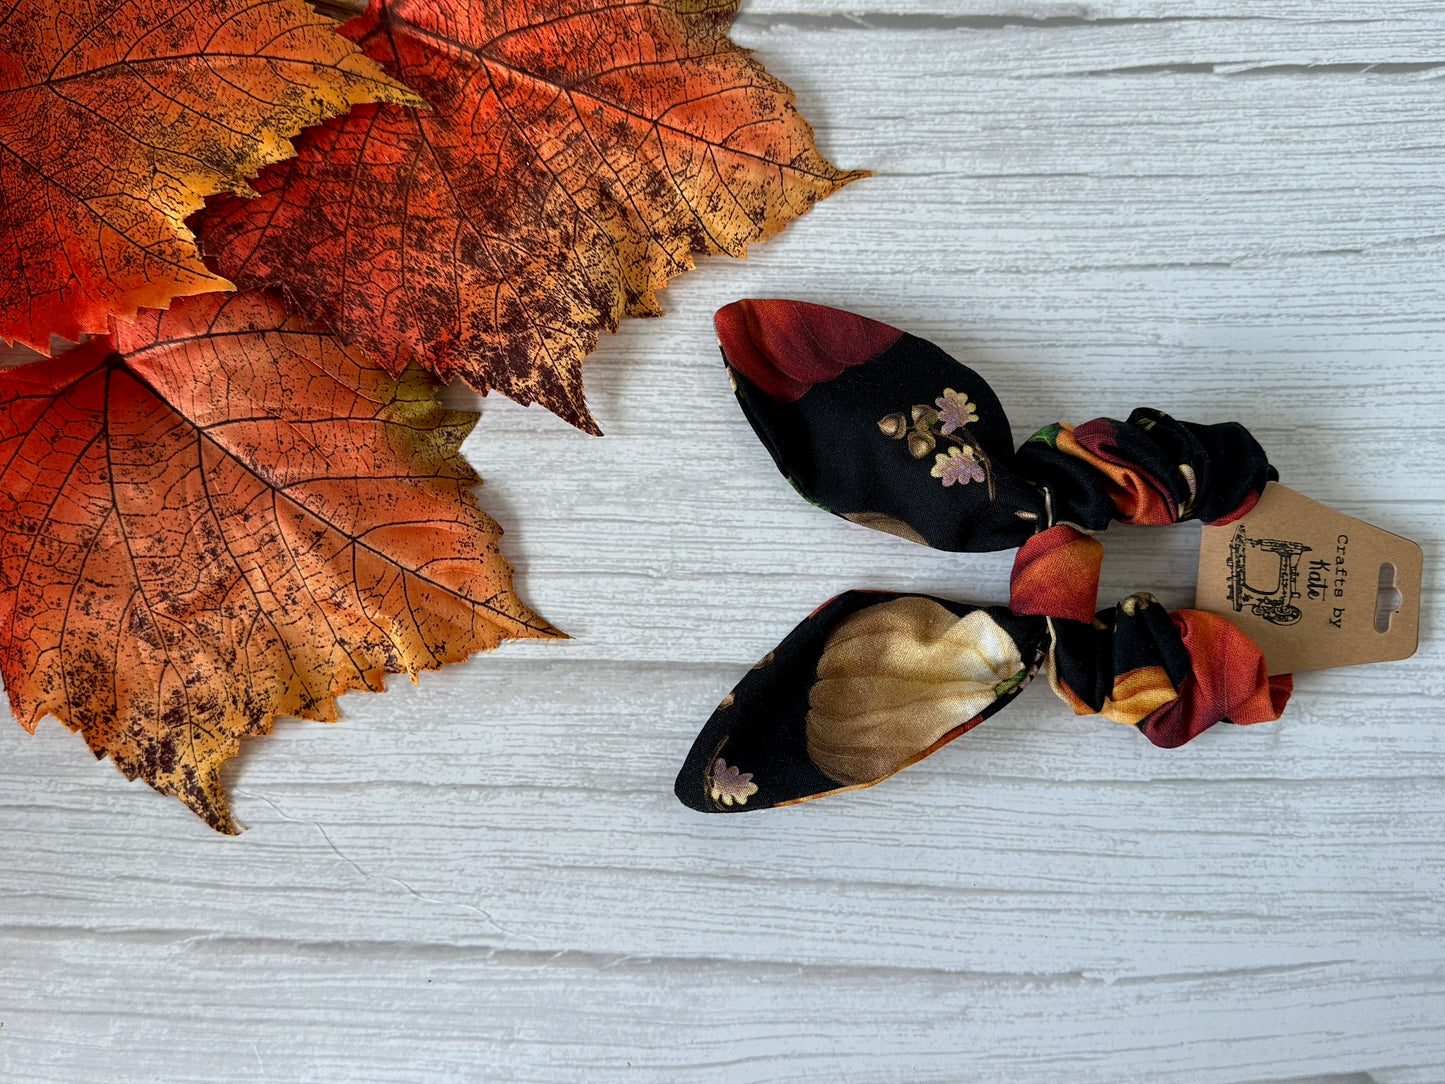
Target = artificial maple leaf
(576,155)
(118,118)
(219,516)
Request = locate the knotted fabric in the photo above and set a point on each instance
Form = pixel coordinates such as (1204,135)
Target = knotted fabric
(888,431)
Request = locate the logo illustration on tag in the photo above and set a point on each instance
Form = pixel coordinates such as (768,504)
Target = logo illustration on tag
(1275,604)
(1312,586)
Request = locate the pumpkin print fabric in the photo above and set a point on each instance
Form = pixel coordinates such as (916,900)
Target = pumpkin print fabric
(887,430)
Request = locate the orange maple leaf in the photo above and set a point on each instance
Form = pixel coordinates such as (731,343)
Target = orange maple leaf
(221,516)
(118,118)
(576,155)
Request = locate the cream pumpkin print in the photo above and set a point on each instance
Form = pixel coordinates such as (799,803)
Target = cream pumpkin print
(895,678)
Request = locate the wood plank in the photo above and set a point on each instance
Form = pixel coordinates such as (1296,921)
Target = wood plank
(1041,832)
(321,1010)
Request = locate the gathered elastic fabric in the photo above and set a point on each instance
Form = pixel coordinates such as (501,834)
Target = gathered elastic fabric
(886,430)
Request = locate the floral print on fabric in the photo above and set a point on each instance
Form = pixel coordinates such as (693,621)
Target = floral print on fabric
(730,785)
(874,681)
(959,465)
(952,414)
(954,411)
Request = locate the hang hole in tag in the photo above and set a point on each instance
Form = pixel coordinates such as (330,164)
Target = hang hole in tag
(1387,598)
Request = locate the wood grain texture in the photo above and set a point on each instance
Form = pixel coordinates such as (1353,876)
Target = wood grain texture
(1217,208)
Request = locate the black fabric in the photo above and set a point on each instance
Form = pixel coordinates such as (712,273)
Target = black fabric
(829,447)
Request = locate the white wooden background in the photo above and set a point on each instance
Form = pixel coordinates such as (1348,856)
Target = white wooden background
(1222,208)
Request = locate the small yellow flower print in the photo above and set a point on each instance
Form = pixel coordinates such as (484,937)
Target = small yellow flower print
(730,785)
(959,465)
(954,411)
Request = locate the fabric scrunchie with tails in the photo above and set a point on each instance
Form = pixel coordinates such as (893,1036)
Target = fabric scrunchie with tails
(885,429)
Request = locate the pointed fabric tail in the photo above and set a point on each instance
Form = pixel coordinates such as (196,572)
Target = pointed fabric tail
(870,683)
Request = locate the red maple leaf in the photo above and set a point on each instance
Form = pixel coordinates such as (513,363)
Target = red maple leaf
(118,118)
(220,516)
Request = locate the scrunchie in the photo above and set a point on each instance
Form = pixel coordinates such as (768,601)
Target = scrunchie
(887,430)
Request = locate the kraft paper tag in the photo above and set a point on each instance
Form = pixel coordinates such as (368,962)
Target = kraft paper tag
(1306,583)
